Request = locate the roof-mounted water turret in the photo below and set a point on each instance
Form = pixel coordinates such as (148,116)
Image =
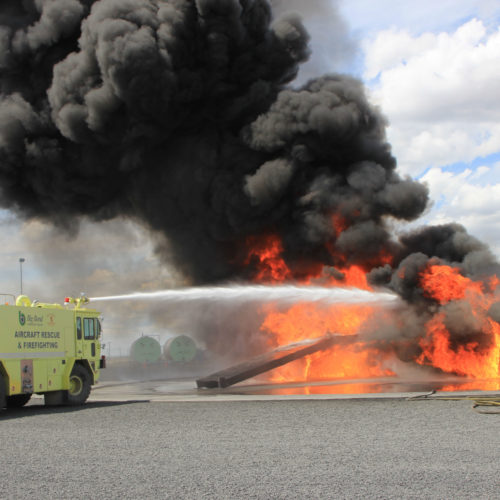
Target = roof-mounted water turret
(79,302)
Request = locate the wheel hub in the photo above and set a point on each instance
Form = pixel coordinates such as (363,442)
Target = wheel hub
(75,385)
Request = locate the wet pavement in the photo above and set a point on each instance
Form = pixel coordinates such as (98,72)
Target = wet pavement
(185,390)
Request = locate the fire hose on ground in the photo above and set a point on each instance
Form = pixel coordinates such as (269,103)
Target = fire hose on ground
(478,401)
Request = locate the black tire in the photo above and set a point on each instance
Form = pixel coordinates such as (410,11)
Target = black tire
(3,391)
(17,400)
(79,386)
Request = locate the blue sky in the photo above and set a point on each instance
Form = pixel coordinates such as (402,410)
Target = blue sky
(434,70)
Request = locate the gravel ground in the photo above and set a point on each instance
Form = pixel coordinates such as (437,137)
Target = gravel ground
(372,448)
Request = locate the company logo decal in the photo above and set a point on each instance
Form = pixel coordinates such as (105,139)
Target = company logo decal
(22,318)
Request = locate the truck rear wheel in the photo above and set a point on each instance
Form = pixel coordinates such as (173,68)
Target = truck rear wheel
(17,400)
(2,393)
(79,386)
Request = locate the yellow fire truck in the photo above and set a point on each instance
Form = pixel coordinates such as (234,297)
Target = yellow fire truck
(48,349)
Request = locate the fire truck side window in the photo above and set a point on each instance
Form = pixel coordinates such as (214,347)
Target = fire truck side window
(97,328)
(79,328)
(88,328)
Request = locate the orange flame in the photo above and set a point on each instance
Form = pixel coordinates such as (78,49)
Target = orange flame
(271,266)
(465,360)
(440,283)
(305,321)
(339,224)
(446,284)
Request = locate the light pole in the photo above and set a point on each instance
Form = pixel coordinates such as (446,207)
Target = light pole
(21,260)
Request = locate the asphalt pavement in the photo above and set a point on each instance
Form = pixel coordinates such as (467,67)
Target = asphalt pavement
(264,448)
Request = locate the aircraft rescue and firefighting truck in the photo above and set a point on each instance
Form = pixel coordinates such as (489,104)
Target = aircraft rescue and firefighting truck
(48,349)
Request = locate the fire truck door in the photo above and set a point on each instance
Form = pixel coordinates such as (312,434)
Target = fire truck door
(79,337)
(89,338)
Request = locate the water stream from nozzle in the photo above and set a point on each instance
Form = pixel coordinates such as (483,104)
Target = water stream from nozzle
(261,293)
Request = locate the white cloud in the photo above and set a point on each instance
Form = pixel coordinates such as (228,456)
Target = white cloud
(471,197)
(440,93)
(418,146)
(367,17)
(438,77)
(392,48)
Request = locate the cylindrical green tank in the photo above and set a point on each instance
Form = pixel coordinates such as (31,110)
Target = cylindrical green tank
(180,349)
(145,350)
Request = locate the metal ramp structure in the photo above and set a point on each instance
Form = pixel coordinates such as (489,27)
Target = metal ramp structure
(270,360)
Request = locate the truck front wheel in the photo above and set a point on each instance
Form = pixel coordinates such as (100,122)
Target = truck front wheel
(79,386)
(17,400)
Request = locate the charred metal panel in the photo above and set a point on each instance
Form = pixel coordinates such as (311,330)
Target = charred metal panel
(271,360)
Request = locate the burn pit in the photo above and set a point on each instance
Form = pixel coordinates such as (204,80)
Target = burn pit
(445,323)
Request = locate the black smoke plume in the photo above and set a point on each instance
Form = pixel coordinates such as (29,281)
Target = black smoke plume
(178,114)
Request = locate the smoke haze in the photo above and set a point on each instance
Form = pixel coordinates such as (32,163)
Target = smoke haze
(333,48)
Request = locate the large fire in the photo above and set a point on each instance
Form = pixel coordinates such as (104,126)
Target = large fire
(441,285)
(445,284)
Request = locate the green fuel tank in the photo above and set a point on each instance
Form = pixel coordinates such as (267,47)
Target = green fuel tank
(180,349)
(145,350)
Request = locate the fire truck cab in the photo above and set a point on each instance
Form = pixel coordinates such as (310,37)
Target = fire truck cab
(48,349)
